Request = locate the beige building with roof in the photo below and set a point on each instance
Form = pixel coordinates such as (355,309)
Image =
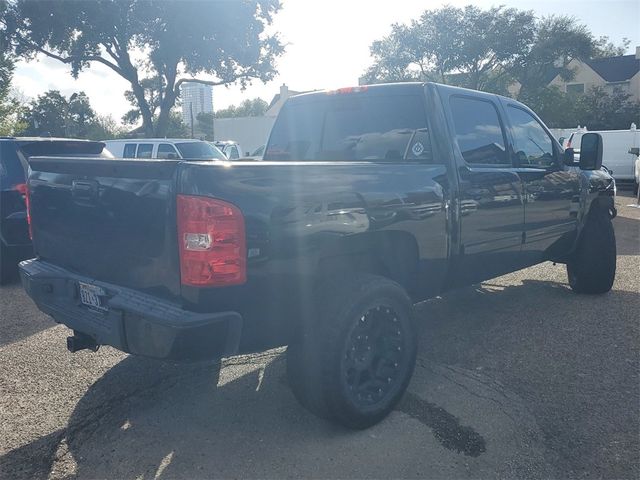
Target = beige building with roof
(621,72)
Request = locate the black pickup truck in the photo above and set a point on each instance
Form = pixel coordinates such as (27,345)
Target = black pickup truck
(368,200)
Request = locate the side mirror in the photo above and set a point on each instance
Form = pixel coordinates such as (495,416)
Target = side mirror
(591,151)
(635,151)
(569,156)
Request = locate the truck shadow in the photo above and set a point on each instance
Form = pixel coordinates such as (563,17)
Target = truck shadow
(19,317)
(149,419)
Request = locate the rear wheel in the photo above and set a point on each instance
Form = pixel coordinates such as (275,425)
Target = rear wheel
(592,268)
(356,359)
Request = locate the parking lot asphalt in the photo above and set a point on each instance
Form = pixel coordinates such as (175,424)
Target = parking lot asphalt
(517,377)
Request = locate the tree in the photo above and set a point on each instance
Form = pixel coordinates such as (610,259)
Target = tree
(467,46)
(604,48)
(480,49)
(248,108)
(555,108)
(205,125)
(557,40)
(224,40)
(152,90)
(104,127)
(599,110)
(9,106)
(52,114)
(81,118)
(47,115)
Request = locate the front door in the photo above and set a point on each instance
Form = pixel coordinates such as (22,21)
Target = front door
(551,189)
(490,193)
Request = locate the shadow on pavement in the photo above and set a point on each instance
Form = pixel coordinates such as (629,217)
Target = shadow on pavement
(627,235)
(145,418)
(149,419)
(19,317)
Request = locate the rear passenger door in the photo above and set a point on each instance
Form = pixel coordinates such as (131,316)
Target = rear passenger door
(490,200)
(551,188)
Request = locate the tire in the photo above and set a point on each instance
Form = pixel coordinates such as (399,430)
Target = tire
(354,361)
(592,268)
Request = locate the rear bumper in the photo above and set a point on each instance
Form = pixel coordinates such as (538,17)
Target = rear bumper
(133,322)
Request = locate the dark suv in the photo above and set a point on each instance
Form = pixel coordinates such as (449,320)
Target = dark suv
(15,243)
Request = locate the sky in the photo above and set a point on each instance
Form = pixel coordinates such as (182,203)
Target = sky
(327,46)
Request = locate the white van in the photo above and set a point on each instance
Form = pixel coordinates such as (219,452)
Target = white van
(615,150)
(164,148)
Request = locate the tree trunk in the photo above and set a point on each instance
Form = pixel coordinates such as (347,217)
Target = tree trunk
(145,111)
(168,101)
(130,73)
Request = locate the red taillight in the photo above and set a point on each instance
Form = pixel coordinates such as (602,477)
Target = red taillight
(23,189)
(211,237)
(345,90)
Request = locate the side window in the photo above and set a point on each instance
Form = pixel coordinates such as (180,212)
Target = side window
(478,132)
(129,150)
(531,143)
(166,150)
(233,153)
(145,150)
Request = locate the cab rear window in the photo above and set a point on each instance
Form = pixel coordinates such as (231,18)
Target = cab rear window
(352,128)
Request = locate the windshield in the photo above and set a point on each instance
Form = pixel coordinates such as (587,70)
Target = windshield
(199,151)
(351,128)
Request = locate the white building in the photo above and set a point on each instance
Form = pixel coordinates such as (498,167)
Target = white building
(196,98)
(252,132)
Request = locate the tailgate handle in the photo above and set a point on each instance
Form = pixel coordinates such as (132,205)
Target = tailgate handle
(84,190)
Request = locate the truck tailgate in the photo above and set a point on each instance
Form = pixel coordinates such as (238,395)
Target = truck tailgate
(111,220)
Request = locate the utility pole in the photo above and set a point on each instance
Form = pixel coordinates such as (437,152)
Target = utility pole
(191,114)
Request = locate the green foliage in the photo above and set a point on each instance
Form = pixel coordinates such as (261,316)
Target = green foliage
(480,49)
(225,41)
(558,40)
(52,114)
(204,126)
(555,108)
(9,107)
(466,46)
(248,108)
(597,109)
(176,127)
(604,48)
(152,90)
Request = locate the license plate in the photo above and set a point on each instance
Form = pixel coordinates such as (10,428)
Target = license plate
(90,295)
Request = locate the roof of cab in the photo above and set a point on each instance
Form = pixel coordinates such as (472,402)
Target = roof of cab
(385,88)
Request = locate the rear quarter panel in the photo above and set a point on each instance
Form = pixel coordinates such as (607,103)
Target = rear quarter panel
(296,213)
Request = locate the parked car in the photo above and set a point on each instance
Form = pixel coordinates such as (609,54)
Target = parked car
(15,243)
(231,149)
(615,156)
(369,199)
(164,148)
(258,153)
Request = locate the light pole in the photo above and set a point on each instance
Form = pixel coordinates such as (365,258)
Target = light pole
(191,115)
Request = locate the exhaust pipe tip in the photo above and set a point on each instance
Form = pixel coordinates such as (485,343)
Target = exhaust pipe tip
(81,341)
